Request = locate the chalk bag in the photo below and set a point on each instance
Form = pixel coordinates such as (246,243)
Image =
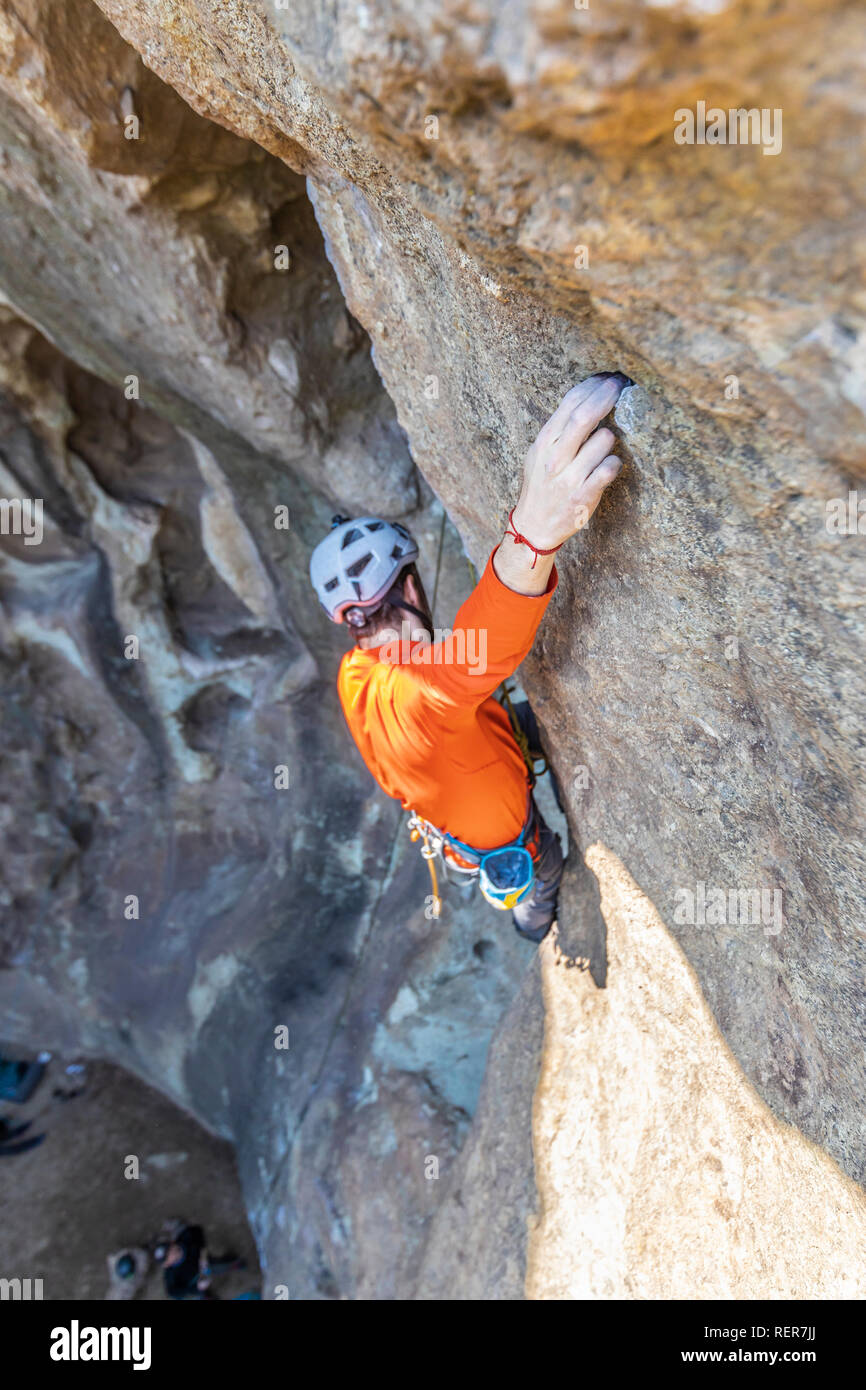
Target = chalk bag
(506,876)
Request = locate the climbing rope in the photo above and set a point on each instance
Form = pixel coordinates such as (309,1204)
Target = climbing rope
(438,562)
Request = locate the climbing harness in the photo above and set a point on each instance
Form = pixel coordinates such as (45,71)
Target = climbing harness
(505,875)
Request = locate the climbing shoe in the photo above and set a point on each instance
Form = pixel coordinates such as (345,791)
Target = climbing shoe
(536,934)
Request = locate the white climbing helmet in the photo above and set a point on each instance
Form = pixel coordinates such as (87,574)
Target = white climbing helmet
(358,562)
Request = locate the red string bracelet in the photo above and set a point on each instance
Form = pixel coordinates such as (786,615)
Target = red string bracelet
(521,540)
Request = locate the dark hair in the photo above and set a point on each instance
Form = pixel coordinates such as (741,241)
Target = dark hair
(388,614)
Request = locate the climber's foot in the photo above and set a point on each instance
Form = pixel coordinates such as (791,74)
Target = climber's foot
(534,934)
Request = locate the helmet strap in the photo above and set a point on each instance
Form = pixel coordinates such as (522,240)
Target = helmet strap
(396,599)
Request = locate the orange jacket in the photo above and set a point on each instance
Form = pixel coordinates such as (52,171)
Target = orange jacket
(425,723)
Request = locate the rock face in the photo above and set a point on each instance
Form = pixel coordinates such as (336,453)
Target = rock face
(184,257)
(661,1169)
(260,952)
(506,209)
(690,666)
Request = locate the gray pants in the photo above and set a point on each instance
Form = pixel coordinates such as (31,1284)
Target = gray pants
(533,916)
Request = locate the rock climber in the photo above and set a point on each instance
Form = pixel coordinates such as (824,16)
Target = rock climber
(421,712)
(188,1269)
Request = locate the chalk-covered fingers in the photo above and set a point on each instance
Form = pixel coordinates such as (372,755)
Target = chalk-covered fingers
(574,421)
(551,432)
(599,444)
(588,495)
(570,464)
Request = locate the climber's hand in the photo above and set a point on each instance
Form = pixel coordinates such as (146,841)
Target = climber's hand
(569,465)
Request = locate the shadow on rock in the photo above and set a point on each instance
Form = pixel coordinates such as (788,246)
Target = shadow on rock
(582,934)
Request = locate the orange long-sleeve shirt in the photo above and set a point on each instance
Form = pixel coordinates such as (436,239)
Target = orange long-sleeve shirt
(427,727)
